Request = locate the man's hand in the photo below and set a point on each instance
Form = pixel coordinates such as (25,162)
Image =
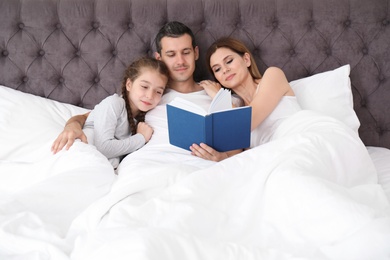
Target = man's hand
(72,131)
(208,153)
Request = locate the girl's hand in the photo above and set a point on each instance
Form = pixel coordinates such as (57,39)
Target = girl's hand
(146,130)
(210,87)
(206,152)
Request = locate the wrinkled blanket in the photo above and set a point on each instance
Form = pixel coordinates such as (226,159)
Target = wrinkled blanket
(311,193)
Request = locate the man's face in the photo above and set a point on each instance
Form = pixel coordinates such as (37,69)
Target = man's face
(179,55)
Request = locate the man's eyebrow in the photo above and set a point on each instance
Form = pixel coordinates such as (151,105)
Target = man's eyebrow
(173,51)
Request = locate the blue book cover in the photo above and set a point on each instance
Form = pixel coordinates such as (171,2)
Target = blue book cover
(224,130)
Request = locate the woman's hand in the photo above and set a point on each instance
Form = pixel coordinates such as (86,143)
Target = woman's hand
(210,87)
(71,132)
(206,152)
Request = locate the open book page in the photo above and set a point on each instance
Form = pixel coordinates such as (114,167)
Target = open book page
(188,106)
(222,101)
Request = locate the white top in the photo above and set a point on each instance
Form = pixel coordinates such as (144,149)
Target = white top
(287,106)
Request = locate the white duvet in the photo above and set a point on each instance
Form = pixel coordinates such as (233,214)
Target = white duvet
(311,193)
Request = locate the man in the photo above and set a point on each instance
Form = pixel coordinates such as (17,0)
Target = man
(176,47)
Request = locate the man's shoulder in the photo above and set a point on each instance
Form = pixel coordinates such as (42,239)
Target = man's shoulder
(171,94)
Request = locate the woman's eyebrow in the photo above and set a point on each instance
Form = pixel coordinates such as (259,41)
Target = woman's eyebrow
(224,59)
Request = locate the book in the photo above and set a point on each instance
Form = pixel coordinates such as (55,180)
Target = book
(222,127)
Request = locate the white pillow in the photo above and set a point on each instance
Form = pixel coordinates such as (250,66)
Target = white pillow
(29,124)
(329,93)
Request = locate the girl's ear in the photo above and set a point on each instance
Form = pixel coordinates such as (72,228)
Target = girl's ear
(247,59)
(128,84)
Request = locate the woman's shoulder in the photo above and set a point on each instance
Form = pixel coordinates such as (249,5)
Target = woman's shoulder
(274,71)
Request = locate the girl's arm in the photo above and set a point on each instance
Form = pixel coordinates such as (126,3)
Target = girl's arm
(72,131)
(111,129)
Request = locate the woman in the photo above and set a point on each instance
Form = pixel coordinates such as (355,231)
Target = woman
(270,96)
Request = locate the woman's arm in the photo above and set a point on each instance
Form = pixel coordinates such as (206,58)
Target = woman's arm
(273,86)
(73,130)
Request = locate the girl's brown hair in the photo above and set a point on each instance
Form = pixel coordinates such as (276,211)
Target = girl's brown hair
(236,46)
(133,72)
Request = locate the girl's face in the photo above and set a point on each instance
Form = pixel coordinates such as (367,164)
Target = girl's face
(229,68)
(146,90)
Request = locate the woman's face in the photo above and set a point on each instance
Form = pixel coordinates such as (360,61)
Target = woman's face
(229,68)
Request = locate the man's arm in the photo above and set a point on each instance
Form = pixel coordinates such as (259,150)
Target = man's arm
(73,130)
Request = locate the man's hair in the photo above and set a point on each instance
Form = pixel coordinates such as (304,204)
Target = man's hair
(173,29)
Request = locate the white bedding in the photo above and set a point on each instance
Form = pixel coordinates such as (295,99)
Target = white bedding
(312,193)
(270,202)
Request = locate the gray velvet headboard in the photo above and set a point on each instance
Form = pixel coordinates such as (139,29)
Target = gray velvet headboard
(75,51)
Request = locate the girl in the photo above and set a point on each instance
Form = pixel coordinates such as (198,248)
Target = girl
(116,125)
(233,67)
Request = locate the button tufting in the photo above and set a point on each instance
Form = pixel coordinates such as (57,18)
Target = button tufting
(363,103)
(58,26)
(96,80)
(292,52)
(328,52)
(21,25)
(25,79)
(95,25)
(41,52)
(347,23)
(275,24)
(365,51)
(385,22)
(381,78)
(114,52)
(61,80)
(77,53)
(379,130)
(130,25)
(203,25)
(5,53)
(311,23)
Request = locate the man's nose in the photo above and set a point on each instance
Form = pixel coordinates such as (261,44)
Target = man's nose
(180,59)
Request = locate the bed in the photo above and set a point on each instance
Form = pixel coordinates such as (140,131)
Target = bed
(301,196)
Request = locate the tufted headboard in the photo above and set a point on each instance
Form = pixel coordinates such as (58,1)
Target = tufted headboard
(75,51)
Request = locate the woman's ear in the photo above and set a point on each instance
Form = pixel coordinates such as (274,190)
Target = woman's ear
(247,59)
(128,84)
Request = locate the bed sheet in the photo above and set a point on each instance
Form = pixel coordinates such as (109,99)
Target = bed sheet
(312,193)
(381,159)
